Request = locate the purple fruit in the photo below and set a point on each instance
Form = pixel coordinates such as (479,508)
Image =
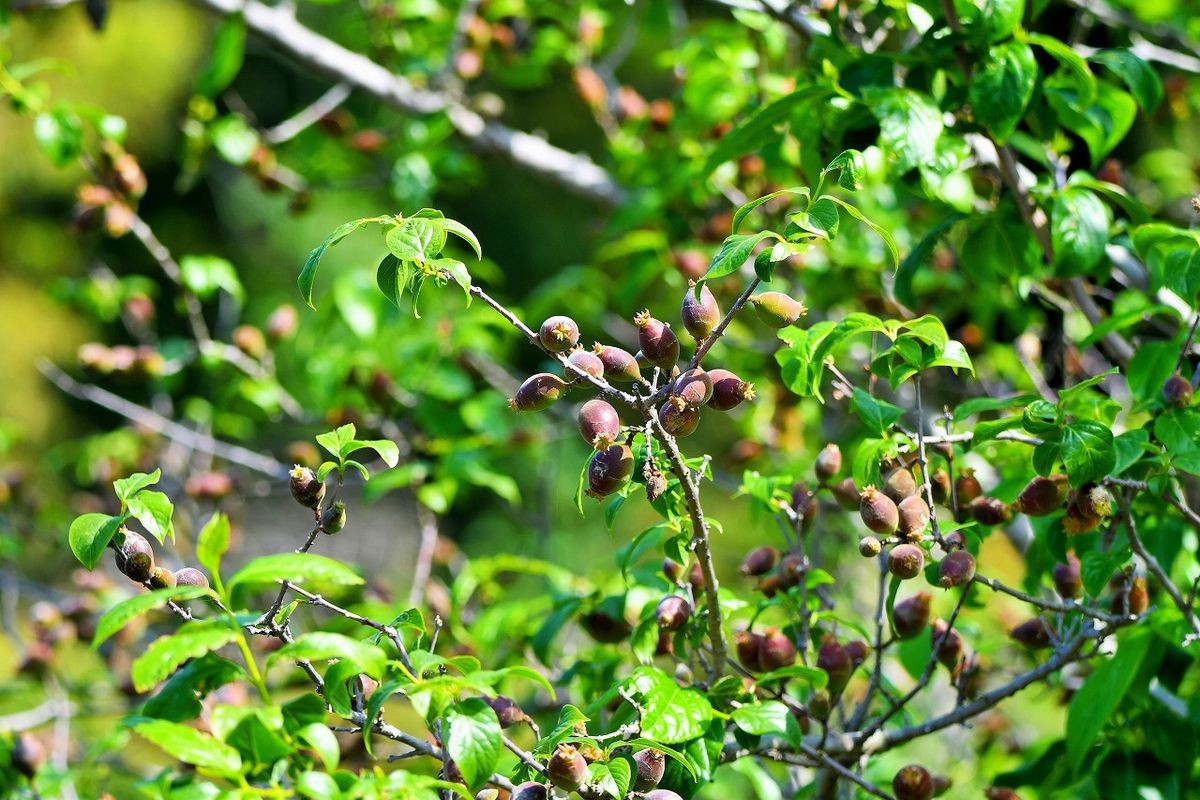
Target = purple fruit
(700,315)
(694,387)
(619,365)
(609,469)
(538,392)
(558,334)
(599,424)
(657,341)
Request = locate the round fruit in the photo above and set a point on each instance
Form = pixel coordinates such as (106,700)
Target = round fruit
(305,487)
(949,644)
(869,547)
(910,616)
(775,650)
(956,569)
(1042,496)
(1068,581)
(673,612)
(190,576)
(531,790)
(967,487)
(694,387)
(990,511)
(1033,634)
(846,494)
(701,315)
(858,650)
(657,341)
(599,424)
(749,649)
(913,516)
(650,766)
(334,518)
(587,361)
(567,768)
(135,557)
(538,392)
(1177,391)
(777,309)
(878,511)
(760,560)
(828,462)
(729,391)
(619,365)
(678,421)
(606,628)
(558,334)
(834,659)
(912,783)
(906,561)
(899,484)
(161,578)
(939,485)
(507,710)
(609,469)
(661,794)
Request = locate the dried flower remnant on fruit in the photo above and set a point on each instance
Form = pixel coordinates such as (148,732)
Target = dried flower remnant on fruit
(558,334)
(657,341)
(911,615)
(759,561)
(869,547)
(878,511)
(700,315)
(650,765)
(306,489)
(619,365)
(956,569)
(538,392)
(678,421)
(599,424)
(1087,509)
(693,387)
(777,310)
(161,578)
(906,561)
(729,391)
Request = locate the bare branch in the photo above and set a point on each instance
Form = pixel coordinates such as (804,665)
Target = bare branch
(310,115)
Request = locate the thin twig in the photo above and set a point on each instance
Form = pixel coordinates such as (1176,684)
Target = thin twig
(311,114)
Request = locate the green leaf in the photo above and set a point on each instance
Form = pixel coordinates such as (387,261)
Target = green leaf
(1096,568)
(309,272)
(59,134)
(475,739)
(464,233)
(759,126)
(119,615)
(1140,77)
(1074,63)
(90,534)
(820,218)
(213,542)
(1087,451)
(457,270)
(129,486)
(762,719)
(1003,87)
(740,215)
(386,449)
(225,61)
(392,277)
(166,653)
(1079,230)
(733,254)
(192,747)
(1102,124)
(1101,694)
(880,231)
(817,678)
(233,139)
(672,714)
(154,511)
(321,786)
(877,415)
(918,256)
(322,740)
(205,275)
(417,239)
(852,166)
(179,698)
(297,568)
(320,645)
(910,124)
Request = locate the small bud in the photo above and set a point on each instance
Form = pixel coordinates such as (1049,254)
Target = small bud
(912,783)
(990,511)
(657,341)
(966,487)
(1033,634)
(1042,496)
(567,768)
(729,391)
(1068,581)
(650,766)
(828,463)
(250,340)
(749,646)
(190,576)
(914,517)
(558,334)
(599,424)
(673,612)
(910,616)
(834,659)
(283,322)
(906,561)
(869,547)
(950,649)
(941,785)
(776,650)
(760,561)
(956,569)
(899,484)
(1177,391)
(700,315)
(538,392)
(878,511)
(777,310)
(609,469)
(306,489)
(333,519)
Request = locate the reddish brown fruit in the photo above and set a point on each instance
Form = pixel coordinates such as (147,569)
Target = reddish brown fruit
(567,769)
(906,561)
(912,783)
(700,315)
(899,484)
(948,642)
(805,505)
(771,585)
(834,659)
(914,517)
(777,310)
(507,710)
(673,612)
(538,392)
(1177,391)
(619,365)
(939,485)
(599,424)
(558,334)
(776,650)
(1032,634)
(858,650)
(657,341)
(696,578)
(1068,581)
(161,578)
(531,790)
(760,561)
(1042,496)
(1132,601)
(956,569)
(650,765)
(672,570)
(692,263)
(609,469)
(828,463)
(878,511)
(28,754)
(587,361)
(135,557)
(967,487)
(990,511)
(910,616)
(678,421)
(941,785)
(694,387)
(606,628)
(306,489)
(846,494)
(791,568)
(729,391)
(749,647)
(1000,793)
(190,576)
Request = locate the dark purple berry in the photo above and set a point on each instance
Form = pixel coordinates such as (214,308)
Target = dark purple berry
(700,315)
(694,387)
(967,487)
(749,650)
(507,710)
(135,557)
(587,361)
(657,341)
(828,462)
(906,561)
(990,510)
(1033,634)
(673,612)
(1068,581)
(956,569)
(729,391)
(949,643)
(776,650)
(1177,391)
(619,365)
(1042,496)
(760,560)
(599,424)
(306,489)
(538,392)
(609,469)
(912,783)
(910,616)
(678,421)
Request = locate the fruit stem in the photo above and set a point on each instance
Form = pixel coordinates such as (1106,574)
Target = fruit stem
(924,462)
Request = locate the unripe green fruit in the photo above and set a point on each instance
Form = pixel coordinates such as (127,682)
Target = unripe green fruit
(1177,391)
(694,387)
(619,365)
(587,361)
(878,511)
(912,783)
(673,612)
(161,578)
(834,659)
(678,421)
(950,649)
(939,485)
(558,334)
(1042,496)
(749,650)
(657,341)
(609,469)
(306,489)
(759,561)
(1032,634)
(507,710)
(913,513)
(1068,581)
(910,616)
(190,576)
(899,484)
(956,569)
(599,424)
(828,462)
(906,561)
(777,310)
(135,557)
(538,392)
(966,487)
(990,511)
(567,769)
(700,315)
(846,494)
(531,790)
(650,764)
(729,391)
(858,650)
(776,650)
(333,519)
(869,547)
